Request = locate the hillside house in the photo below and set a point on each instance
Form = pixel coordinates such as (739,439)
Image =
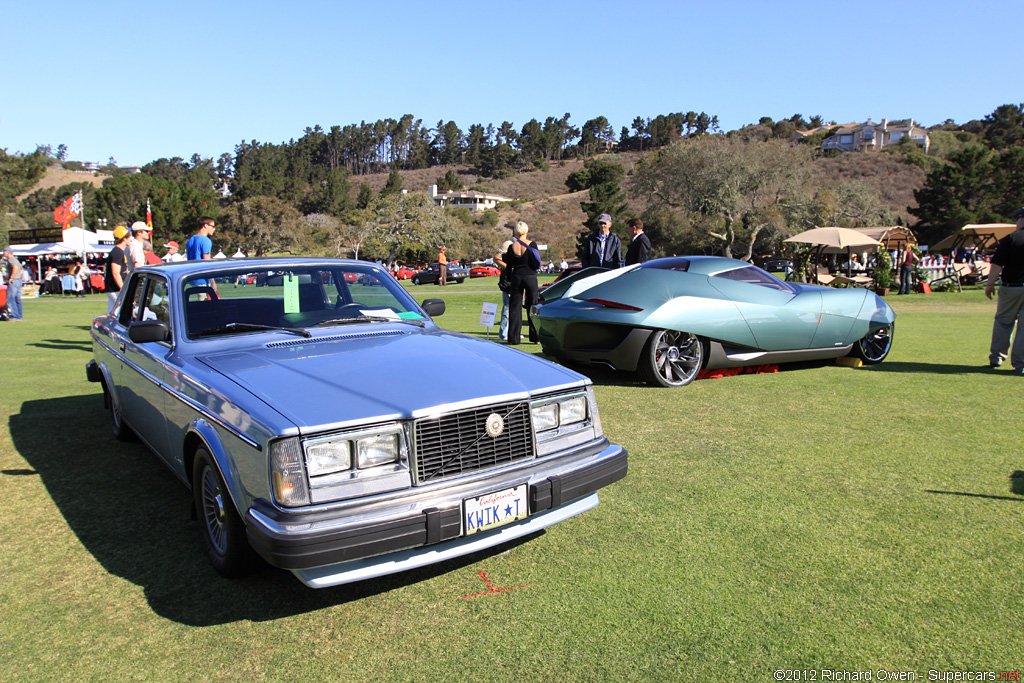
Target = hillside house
(871,137)
(470,199)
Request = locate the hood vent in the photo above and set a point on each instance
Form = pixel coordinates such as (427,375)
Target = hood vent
(334,338)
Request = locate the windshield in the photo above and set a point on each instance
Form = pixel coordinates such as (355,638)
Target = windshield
(237,300)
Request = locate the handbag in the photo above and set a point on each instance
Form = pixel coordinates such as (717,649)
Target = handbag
(505,280)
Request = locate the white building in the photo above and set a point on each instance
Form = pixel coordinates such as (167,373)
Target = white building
(470,199)
(870,136)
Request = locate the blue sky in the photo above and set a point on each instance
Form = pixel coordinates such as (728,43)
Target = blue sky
(138,81)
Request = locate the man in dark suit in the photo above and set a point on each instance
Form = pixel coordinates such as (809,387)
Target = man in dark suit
(603,249)
(640,248)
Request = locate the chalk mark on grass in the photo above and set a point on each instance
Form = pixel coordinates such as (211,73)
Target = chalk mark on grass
(491,589)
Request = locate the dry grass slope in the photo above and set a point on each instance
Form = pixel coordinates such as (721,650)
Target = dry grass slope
(56,177)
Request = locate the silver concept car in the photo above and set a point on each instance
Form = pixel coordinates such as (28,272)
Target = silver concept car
(670,318)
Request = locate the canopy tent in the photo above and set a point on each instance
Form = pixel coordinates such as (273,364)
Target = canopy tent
(835,240)
(980,236)
(839,238)
(75,241)
(890,237)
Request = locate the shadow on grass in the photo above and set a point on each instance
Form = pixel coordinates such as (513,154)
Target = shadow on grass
(933,368)
(134,516)
(64,345)
(975,495)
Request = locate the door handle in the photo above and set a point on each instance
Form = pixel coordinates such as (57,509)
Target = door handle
(121,346)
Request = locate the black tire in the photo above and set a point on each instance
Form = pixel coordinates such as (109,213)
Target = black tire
(671,359)
(222,530)
(873,348)
(416,281)
(460,280)
(120,429)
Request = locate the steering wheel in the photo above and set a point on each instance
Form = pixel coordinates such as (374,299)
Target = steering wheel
(210,292)
(350,308)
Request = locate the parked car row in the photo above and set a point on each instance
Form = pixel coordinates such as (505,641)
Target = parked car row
(274,389)
(431,275)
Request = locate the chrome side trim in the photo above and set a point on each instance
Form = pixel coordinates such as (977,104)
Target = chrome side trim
(190,402)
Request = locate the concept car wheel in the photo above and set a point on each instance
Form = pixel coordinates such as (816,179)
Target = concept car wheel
(671,359)
(874,347)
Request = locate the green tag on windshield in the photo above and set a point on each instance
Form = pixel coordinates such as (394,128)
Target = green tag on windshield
(291,293)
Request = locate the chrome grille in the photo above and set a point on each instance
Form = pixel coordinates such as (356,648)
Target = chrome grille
(457,444)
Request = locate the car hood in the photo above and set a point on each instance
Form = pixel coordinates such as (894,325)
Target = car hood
(330,383)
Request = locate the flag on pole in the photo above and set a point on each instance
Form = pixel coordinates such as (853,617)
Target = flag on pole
(71,207)
(149,215)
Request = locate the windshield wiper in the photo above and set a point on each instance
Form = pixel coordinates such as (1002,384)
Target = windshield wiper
(348,320)
(248,327)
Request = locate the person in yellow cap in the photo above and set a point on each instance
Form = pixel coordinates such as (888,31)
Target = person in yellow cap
(117,267)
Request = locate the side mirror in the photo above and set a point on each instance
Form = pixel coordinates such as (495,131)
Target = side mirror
(433,307)
(146,331)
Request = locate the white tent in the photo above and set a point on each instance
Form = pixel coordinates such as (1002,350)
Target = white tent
(76,241)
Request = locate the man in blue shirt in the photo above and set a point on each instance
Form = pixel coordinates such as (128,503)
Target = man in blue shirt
(199,245)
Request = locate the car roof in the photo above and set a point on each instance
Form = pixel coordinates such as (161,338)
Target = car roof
(703,265)
(186,268)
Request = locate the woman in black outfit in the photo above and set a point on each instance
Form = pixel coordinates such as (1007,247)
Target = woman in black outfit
(523,259)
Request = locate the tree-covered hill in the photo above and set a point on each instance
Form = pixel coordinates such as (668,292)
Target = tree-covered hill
(340,190)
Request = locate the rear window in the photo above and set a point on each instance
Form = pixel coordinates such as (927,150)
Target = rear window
(754,276)
(675,263)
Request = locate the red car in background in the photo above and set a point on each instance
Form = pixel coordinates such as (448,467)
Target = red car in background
(484,271)
(404,273)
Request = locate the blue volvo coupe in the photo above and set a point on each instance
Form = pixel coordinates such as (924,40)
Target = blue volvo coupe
(277,390)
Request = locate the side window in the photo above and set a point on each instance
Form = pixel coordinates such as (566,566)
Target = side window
(132,302)
(157,304)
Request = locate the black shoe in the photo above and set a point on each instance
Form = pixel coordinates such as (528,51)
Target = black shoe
(994,365)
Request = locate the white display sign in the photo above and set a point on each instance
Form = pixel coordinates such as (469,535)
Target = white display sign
(487,314)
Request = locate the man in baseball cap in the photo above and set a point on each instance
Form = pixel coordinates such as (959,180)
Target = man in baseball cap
(117,269)
(136,252)
(603,249)
(172,254)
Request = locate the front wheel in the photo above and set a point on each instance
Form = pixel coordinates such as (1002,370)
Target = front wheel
(874,347)
(671,359)
(416,281)
(223,531)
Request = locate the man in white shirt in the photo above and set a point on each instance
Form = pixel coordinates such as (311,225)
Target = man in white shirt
(136,254)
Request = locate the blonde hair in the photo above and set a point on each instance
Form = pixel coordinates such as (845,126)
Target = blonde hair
(521,228)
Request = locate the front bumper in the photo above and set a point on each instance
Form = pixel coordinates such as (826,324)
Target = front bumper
(420,528)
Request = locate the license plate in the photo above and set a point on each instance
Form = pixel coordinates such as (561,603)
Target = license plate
(494,509)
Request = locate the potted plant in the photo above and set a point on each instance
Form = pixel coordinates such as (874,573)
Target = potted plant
(883,272)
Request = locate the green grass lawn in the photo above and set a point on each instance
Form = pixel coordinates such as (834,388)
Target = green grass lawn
(818,518)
